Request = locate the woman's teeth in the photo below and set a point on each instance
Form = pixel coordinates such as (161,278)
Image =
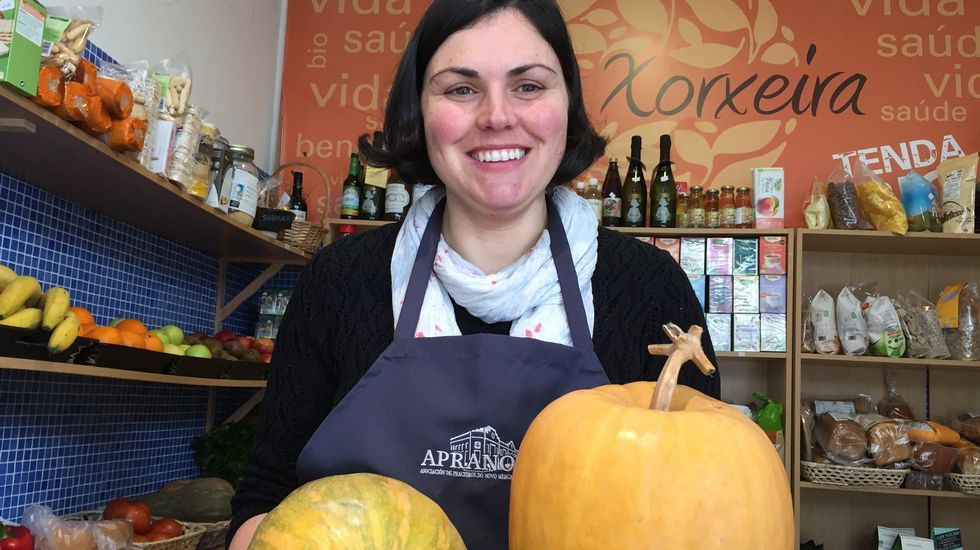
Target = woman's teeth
(499,155)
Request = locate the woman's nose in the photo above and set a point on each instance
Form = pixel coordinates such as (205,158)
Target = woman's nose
(496,111)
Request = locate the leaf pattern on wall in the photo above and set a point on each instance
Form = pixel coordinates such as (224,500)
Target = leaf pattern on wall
(780,53)
(706,126)
(574,8)
(600,17)
(766,23)
(693,148)
(740,173)
(619,146)
(719,15)
(689,31)
(707,56)
(617,32)
(746,138)
(636,44)
(790,126)
(788,33)
(586,39)
(646,15)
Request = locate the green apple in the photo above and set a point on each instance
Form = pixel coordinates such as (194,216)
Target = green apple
(198,350)
(174,334)
(115,322)
(183,347)
(159,333)
(172,349)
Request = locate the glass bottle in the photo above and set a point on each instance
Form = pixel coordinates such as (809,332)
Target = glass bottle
(350,201)
(635,188)
(594,197)
(663,207)
(726,207)
(711,209)
(580,188)
(397,198)
(744,209)
(681,217)
(612,197)
(241,185)
(297,205)
(695,208)
(371,202)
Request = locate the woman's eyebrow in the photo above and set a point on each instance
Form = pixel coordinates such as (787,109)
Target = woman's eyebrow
(473,73)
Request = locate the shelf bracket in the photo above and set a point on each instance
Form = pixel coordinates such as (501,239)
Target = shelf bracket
(17,126)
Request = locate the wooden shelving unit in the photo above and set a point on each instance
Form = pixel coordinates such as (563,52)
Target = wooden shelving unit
(845,517)
(100,372)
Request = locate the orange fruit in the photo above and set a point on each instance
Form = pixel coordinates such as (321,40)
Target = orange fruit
(132,325)
(153,343)
(84,329)
(106,335)
(84,317)
(131,339)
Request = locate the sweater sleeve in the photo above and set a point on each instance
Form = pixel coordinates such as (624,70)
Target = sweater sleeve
(299,394)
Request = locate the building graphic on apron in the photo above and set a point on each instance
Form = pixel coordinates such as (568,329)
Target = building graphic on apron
(478,453)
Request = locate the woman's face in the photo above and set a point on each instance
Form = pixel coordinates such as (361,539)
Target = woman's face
(495,110)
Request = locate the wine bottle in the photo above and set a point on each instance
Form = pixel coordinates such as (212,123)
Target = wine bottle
(635,189)
(612,197)
(664,202)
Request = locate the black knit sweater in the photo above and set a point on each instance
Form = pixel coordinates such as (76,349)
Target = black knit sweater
(339,320)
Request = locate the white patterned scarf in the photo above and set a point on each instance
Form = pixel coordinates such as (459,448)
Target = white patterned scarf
(526,292)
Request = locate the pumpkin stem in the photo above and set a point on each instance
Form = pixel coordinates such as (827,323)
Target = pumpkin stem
(686,346)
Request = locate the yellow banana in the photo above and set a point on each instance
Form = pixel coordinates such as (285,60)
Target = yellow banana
(25,318)
(7,276)
(22,291)
(64,334)
(56,301)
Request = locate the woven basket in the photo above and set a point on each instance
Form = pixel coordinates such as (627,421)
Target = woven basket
(304,235)
(188,541)
(963,483)
(832,474)
(214,535)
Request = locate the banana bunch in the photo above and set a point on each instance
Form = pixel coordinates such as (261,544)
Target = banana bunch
(22,305)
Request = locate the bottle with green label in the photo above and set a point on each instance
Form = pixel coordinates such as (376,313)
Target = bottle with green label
(350,201)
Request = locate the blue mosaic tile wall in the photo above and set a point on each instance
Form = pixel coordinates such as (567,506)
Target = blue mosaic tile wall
(74,442)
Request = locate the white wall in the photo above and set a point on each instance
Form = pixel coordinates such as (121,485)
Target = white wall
(233,47)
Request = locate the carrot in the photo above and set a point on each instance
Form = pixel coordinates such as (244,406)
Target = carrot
(98,120)
(50,86)
(116,96)
(127,134)
(85,74)
(75,104)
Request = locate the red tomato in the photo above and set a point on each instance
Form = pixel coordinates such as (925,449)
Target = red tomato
(136,513)
(167,526)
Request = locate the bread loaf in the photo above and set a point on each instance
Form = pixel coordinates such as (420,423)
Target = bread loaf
(843,439)
(968,424)
(934,458)
(968,462)
(888,442)
(921,480)
(932,431)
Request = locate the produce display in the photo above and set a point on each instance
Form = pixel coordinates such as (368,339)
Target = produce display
(22,305)
(203,500)
(649,452)
(365,511)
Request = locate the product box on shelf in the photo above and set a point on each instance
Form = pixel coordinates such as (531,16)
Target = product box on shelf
(692,255)
(698,283)
(672,246)
(720,251)
(772,255)
(888,535)
(745,259)
(768,186)
(643,239)
(746,294)
(273,301)
(163,135)
(772,294)
(745,327)
(720,293)
(267,326)
(772,332)
(947,538)
(720,330)
(21,33)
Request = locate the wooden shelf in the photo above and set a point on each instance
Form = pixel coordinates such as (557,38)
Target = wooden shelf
(751,355)
(67,162)
(689,232)
(897,362)
(882,242)
(882,491)
(101,372)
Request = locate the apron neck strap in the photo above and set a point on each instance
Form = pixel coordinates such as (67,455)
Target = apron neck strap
(561,255)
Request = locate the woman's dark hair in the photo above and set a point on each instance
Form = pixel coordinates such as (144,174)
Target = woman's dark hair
(404,134)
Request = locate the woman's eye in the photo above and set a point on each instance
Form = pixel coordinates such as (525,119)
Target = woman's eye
(461,90)
(529,88)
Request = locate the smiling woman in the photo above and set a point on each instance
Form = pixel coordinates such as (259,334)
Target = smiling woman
(421,351)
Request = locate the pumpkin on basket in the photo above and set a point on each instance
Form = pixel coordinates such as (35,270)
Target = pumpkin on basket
(365,511)
(649,465)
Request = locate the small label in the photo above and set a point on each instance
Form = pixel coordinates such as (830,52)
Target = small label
(634,209)
(244,195)
(30,23)
(612,207)
(396,198)
(843,407)
(951,185)
(350,202)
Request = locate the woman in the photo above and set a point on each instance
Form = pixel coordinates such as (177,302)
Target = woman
(496,295)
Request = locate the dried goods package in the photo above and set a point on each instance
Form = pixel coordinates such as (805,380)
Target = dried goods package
(933,458)
(851,326)
(720,293)
(746,327)
(968,462)
(720,250)
(958,181)
(746,257)
(921,202)
(692,255)
(746,294)
(884,327)
(968,424)
(959,315)
(884,210)
(772,332)
(843,439)
(893,405)
(772,294)
(824,319)
(699,284)
(816,209)
(845,208)
(888,441)
(720,330)
(920,322)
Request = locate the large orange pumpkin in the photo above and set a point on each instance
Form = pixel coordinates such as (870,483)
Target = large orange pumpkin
(604,469)
(364,511)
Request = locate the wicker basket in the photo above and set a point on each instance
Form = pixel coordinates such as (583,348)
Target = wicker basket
(188,541)
(304,235)
(963,483)
(214,535)
(832,474)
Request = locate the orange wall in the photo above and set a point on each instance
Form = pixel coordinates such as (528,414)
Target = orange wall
(738,84)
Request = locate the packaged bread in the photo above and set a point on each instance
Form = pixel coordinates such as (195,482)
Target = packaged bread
(931,431)
(53,533)
(843,439)
(50,87)
(934,458)
(964,443)
(922,480)
(74,106)
(893,405)
(888,441)
(968,424)
(968,462)
(86,74)
(97,119)
(116,96)
(127,134)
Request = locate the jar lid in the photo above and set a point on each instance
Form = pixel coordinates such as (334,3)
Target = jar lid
(210,129)
(696,189)
(743,189)
(712,191)
(682,194)
(243,149)
(727,188)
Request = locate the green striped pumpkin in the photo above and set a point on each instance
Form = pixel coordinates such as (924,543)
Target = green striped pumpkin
(357,511)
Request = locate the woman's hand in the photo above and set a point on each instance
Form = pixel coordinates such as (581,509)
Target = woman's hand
(243,537)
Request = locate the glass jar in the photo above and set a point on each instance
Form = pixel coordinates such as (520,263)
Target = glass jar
(241,184)
(202,168)
(220,162)
(711,209)
(726,207)
(681,215)
(695,208)
(744,209)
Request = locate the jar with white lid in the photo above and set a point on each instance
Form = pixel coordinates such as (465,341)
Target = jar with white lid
(241,184)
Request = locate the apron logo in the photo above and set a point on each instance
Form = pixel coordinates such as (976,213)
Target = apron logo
(477,453)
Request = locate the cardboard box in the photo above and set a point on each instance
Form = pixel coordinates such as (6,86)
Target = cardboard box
(947,538)
(888,535)
(21,34)
(721,292)
(648,240)
(745,328)
(163,134)
(911,542)
(745,259)
(268,326)
(772,332)
(772,255)
(768,186)
(282,300)
(672,246)
(692,255)
(772,294)
(720,251)
(720,330)
(745,294)
(698,284)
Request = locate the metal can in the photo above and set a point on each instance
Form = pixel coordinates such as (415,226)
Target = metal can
(220,161)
